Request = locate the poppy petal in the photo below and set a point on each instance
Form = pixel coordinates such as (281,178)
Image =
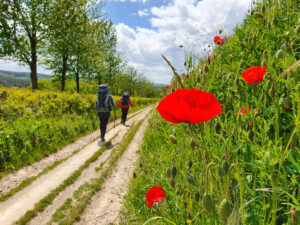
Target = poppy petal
(154,194)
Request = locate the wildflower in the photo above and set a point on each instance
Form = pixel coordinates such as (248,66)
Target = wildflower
(189,105)
(188,221)
(185,76)
(244,111)
(211,58)
(167,86)
(254,74)
(293,214)
(154,194)
(218,40)
(174,86)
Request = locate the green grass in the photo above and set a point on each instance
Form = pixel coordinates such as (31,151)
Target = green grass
(250,160)
(71,210)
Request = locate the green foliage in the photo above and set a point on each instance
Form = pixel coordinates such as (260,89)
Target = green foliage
(34,125)
(248,163)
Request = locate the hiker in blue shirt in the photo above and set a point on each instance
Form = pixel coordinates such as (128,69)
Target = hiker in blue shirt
(124,104)
(104,105)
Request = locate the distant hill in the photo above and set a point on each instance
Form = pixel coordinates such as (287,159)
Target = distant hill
(17,79)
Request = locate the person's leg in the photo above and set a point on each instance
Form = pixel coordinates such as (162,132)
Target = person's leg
(125,115)
(103,125)
(101,116)
(123,118)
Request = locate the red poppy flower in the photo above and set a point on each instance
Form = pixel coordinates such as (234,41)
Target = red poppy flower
(167,86)
(174,86)
(189,105)
(154,194)
(254,74)
(189,76)
(244,111)
(185,76)
(218,40)
(211,58)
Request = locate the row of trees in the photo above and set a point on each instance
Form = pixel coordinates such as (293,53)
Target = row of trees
(74,39)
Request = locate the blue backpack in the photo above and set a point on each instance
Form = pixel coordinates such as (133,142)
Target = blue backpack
(125,99)
(102,104)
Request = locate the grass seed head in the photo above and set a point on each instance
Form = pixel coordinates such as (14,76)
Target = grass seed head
(169,173)
(206,68)
(225,167)
(208,203)
(173,139)
(274,178)
(279,54)
(174,172)
(190,178)
(224,210)
(192,144)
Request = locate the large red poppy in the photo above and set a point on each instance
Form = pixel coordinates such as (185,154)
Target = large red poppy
(218,40)
(254,74)
(189,105)
(154,194)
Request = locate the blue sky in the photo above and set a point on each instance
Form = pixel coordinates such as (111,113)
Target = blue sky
(146,29)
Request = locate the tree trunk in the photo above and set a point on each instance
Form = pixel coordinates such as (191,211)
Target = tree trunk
(33,65)
(77,76)
(64,71)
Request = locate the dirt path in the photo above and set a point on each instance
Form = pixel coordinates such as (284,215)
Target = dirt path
(12,180)
(106,205)
(16,206)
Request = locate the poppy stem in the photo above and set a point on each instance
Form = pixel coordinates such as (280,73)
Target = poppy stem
(174,71)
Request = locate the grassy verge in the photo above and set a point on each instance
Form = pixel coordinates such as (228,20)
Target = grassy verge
(71,210)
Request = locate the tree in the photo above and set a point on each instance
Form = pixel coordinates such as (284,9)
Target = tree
(22,31)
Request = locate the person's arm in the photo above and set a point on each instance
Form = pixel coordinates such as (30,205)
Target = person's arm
(112,101)
(119,103)
(131,102)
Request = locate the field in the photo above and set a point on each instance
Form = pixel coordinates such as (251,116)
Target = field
(36,124)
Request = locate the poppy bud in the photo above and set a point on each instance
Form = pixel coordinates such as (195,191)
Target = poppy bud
(237,81)
(173,139)
(225,167)
(287,102)
(190,178)
(169,173)
(279,54)
(208,60)
(172,182)
(274,21)
(217,127)
(224,210)
(192,144)
(141,164)
(208,203)
(250,135)
(197,196)
(190,164)
(230,58)
(258,15)
(220,31)
(198,78)
(206,68)
(297,30)
(269,26)
(174,172)
(267,159)
(134,175)
(272,90)
(263,8)
(251,12)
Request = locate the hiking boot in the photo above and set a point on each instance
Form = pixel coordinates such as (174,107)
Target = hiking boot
(102,139)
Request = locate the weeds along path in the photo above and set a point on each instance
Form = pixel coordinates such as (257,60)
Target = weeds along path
(12,180)
(16,206)
(106,205)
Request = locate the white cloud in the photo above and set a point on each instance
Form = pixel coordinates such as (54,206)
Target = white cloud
(144,12)
(190,23)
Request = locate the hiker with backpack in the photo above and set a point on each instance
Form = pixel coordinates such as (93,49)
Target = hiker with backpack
(104,105)
(124,104)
